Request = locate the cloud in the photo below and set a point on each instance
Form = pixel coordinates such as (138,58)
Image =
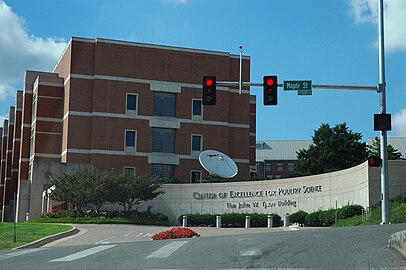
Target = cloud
(399,123)
(20,51)
(366,11)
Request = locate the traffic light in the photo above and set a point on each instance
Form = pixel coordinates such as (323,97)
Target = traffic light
(270,90)
(374,161)
(209,90)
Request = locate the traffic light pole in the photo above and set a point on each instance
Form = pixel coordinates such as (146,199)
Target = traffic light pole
(382,97)
(317,86)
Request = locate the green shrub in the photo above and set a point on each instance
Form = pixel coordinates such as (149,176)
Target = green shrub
(350,210)
(230,219)
(233,219)
(313,219)
(327,217)
(298,217)
(195,220)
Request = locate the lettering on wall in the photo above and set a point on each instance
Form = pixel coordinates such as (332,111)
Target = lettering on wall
(259,194)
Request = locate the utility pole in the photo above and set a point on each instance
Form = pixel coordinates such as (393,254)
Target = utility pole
(382,97)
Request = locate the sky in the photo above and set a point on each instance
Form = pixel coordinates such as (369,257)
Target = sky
(330,42)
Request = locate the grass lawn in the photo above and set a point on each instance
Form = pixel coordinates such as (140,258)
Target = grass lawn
(398,215)
(27,233)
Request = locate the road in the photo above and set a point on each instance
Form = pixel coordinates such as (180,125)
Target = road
(341,248)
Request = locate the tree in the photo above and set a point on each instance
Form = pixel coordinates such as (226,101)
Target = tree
(83,188)
(129,190)
(333,149)
(375,150)
(92,187)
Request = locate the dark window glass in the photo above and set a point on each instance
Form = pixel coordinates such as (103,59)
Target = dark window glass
(164,104)
(130,138)
(163,140)
(131,102)
(197,107)
(196,142)
(196,177)
(162,170)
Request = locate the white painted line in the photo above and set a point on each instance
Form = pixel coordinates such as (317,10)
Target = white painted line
(167,250)
(251,252)
(104,240)
(18,253)
(82,254)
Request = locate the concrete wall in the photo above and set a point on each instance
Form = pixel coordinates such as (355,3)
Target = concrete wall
(357,185)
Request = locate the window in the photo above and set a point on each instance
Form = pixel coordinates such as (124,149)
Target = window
(162,170)
(164,104)
(130,139)
(291,166)
(129,171)
(258,167)
(197,143)
(197,107)
(268,167)
(163,140)
(195,176)
(280,167)
(132,102)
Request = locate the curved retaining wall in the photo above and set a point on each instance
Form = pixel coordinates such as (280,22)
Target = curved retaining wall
(309,193)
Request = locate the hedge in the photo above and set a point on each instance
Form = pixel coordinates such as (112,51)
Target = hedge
(230,219)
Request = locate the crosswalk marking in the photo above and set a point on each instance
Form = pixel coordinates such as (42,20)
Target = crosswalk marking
(167,250)
(18,253)
(83,253)
(251,252)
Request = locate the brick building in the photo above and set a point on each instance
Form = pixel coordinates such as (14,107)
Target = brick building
(275,159)
(129,106)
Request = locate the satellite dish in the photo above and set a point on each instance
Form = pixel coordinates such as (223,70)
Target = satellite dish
(218,164)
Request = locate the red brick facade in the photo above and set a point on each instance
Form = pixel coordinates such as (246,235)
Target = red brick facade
(78,114)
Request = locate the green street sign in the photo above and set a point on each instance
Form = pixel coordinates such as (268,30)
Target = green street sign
(297,85)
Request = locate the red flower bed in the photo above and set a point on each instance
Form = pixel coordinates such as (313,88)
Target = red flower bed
(175,233)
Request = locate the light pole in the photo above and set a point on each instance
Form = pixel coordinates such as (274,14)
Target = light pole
(382,98)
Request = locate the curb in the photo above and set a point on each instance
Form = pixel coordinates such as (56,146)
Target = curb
(397,242)
(49,239)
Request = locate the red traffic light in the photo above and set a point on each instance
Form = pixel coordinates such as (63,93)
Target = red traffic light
(374,161)
(270,82)
(209,82)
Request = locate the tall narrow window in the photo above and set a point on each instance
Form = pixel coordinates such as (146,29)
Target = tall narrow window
(130,140)
(164,104)
(197,143)
(131,103)
(197,108)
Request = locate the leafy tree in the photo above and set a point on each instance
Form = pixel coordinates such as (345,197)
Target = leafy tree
(129,190)
(86,186)
(375,150)
(333,149)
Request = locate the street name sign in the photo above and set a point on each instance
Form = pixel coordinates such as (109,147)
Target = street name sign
(297,85)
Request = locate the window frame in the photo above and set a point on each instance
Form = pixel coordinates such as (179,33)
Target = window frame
(130,111)
(129,167)
(158,148)
(130,148)
(195,171)
(197,116)
(156,107)
(191,143)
